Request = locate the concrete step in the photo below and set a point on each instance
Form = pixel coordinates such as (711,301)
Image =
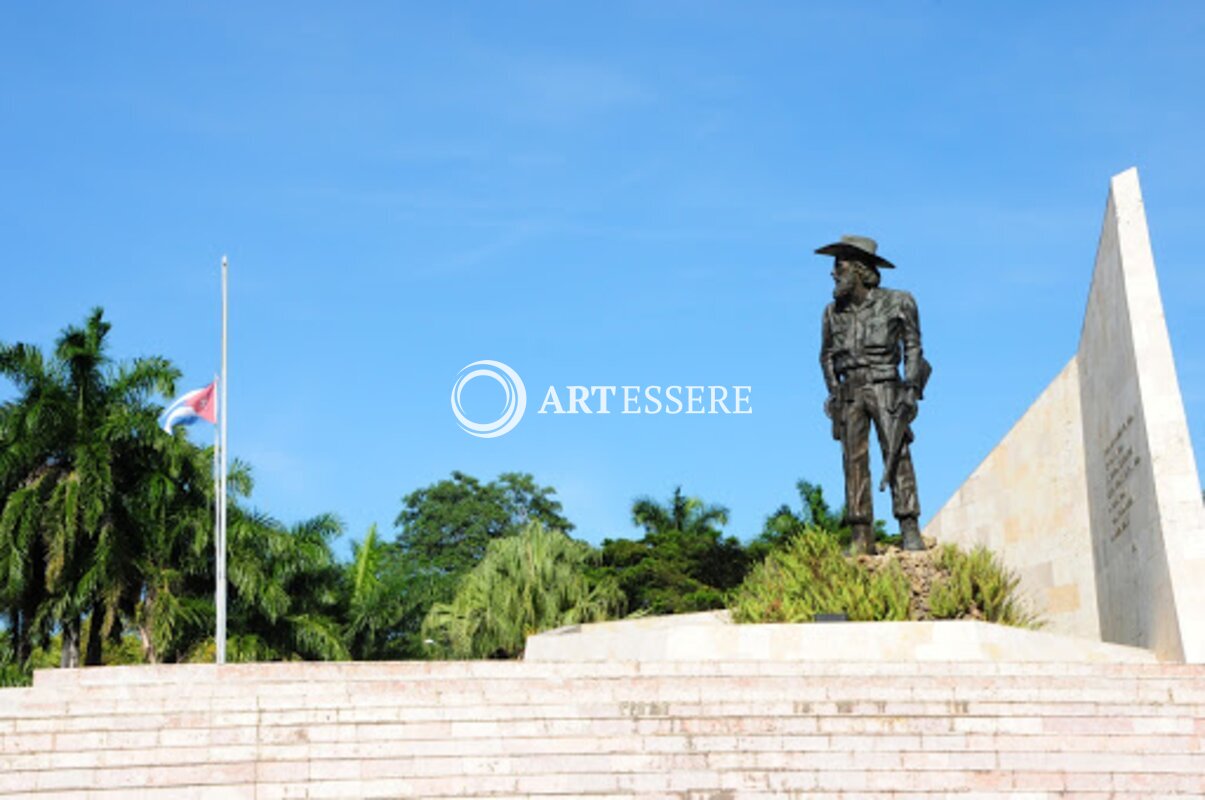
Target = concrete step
(178,731)
(418,671)
(37,718)
(691,732)
(686,779)
(686,688)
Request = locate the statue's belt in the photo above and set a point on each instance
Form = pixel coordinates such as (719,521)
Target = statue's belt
(866,376)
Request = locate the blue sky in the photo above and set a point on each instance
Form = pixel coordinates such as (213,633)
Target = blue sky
(592,193)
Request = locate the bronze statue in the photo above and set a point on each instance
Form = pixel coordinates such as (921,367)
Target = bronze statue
(867,331)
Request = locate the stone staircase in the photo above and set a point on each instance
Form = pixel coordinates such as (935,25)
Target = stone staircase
(681,730)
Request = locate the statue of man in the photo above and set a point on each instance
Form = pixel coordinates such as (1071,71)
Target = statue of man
(867,331)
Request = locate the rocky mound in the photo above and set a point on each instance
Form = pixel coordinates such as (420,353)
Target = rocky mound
(922,569)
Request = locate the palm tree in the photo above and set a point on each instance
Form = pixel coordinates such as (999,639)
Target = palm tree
(683,562)
(785,523)
(285,590)
(29,432)
(375,597)
(527,583)
(105,522)
(67,438)
(22,550)
(682,513)
(169,581)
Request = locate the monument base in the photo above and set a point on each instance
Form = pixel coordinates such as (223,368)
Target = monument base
(711,636)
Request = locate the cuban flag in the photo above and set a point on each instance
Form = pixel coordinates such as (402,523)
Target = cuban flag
(194,405)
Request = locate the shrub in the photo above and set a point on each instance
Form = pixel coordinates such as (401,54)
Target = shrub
(525,584)
(811,576)
(11,673)
(976,584)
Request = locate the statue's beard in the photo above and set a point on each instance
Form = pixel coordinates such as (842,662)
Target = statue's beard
(843,290)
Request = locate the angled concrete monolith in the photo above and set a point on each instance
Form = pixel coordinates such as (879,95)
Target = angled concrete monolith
(1093,496)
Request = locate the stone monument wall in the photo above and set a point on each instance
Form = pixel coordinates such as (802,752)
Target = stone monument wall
(1094,496)
(1046,542)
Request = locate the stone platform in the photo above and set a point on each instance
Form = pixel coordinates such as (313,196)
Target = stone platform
(710,636)
(663,730)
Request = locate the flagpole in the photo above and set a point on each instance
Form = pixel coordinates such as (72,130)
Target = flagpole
(221,561)
(217,509)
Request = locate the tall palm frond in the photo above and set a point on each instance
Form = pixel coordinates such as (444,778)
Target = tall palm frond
(527,583)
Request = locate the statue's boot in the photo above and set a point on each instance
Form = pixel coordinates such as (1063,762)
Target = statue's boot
(861,539)
(911,533)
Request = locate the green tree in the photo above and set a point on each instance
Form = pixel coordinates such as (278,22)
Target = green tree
(682,563)
(786,523)
(534,581)
(285,590)
(65,473)
(106,526)
(377,600)
(22,547)
(12,671)
(814,514)
(445,528)
(285,587)
(168,584)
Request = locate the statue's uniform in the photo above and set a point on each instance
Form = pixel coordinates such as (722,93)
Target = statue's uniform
(860,353)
